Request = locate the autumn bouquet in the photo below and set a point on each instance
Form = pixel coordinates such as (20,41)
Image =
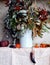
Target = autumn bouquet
(21,16)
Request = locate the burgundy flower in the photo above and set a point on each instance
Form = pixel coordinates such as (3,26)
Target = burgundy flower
(17,8)
(43,15)
(18,1)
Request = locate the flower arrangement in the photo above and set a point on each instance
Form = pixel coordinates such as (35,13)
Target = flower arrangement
(24,19)
(21,16)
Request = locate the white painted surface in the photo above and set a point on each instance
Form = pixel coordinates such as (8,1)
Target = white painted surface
(42,56)
(15,56)
(5,56)
(22,56)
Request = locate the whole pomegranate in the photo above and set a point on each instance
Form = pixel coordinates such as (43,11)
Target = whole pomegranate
(4,43)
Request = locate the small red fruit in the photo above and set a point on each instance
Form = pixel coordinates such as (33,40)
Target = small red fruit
(18,45)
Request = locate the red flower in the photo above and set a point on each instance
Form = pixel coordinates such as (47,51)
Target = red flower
(18,1)
(43,15)
(17,8)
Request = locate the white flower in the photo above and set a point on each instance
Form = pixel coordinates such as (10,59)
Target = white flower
(38,22)
(23,11)
(18,27)
(14,16)
(22,27)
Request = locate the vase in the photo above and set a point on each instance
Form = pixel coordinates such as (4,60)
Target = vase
(26,39)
